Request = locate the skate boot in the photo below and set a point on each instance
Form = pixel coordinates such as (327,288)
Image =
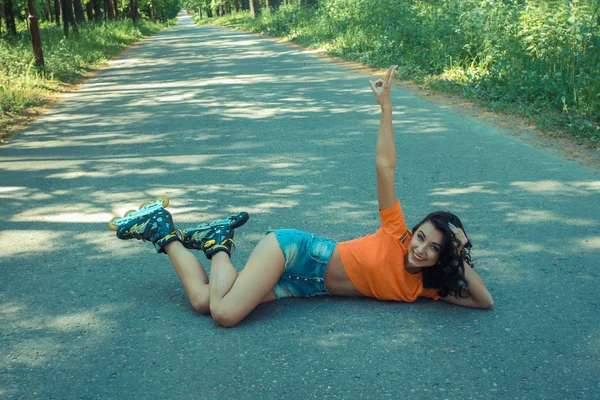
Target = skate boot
(151,223)
(215,236)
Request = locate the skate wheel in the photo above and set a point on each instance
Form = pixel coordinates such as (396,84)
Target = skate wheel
(144,205)
(129,212)
(164,199)
(111,224)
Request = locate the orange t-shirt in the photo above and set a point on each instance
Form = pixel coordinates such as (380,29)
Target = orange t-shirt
(375,263)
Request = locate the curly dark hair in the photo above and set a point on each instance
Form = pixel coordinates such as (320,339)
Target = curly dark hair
(448,274)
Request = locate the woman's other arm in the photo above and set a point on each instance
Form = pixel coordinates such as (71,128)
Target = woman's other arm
(477,295)
(476,292)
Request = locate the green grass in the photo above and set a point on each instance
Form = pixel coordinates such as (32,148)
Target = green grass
(538,59)
(24,86)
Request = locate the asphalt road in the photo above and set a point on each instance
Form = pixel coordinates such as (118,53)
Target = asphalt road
(222,121)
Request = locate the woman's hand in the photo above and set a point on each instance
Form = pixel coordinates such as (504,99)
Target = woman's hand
(460,239)
(381,88)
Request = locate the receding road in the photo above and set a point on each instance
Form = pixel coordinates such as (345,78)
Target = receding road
(221,121)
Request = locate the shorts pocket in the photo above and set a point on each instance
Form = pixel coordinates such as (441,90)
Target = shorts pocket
(319,250)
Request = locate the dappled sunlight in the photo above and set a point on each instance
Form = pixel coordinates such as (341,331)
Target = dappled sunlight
(501,205)
(262,110)
(291,189)
(459,191)
(343,206)
(123,139)
(557,187)
(69,213)
(161,87)
(590,243)
(39,165)
(453,207)
(175,97)
(267,207)
(241,41)
(30,242)
(528,247)
(23,193)
(11,308)
(107,174)
(33,352)
(529,216)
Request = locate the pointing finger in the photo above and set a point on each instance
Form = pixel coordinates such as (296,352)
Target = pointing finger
(388,75)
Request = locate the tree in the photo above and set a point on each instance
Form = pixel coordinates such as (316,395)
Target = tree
(49,10)
(35,34)
(79,16)
(110,9)
(134,10)
(57,12)
(254,7)
(9,15)
(97,9)
(68,17)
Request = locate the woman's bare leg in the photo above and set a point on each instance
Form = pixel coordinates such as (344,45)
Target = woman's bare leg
(192,275)
(234,295)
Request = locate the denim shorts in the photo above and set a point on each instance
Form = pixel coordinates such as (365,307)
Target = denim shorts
(306,258)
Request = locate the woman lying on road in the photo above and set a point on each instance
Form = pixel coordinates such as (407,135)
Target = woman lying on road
(394,263)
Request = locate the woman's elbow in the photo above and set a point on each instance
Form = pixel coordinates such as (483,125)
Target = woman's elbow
(486,304)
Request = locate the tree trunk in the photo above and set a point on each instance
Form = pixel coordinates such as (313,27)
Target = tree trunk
(89,9)
(97,10)
(79,16)
(154,11)
(254,8)
(10,17)
(57,12)
(34,29)
(111,10)
(68,17)
(133,4)
(116,8)
(49,11)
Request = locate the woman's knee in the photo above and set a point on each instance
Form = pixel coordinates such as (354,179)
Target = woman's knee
(200,303)
(225,317)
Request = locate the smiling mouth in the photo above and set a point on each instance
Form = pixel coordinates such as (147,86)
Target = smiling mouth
(416,257)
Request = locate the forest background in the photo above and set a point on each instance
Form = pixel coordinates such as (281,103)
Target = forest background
(539,59)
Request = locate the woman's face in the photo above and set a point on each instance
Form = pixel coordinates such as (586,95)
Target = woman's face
(424,248)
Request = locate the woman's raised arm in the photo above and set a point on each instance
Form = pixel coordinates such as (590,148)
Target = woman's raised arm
(385,149)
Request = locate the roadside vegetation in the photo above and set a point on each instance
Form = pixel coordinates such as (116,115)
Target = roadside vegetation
(68,53)
(537,59)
